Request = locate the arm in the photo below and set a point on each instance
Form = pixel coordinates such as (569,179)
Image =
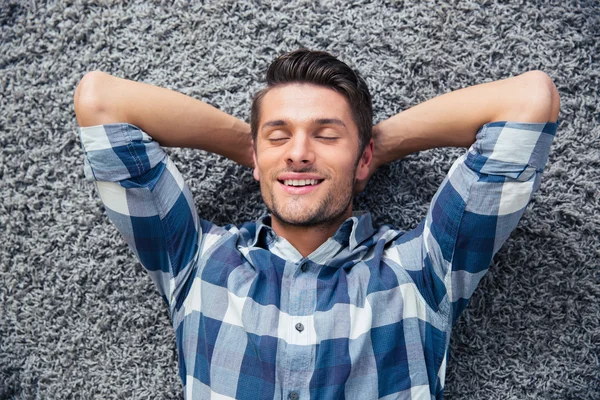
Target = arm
(143,192)
(453,119)
(170,118)
(486,191)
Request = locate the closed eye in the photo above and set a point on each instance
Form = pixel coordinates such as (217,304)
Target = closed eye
(327,137)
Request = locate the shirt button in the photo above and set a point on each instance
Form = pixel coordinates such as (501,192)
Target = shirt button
(294,396)
(304,267)
(299,328)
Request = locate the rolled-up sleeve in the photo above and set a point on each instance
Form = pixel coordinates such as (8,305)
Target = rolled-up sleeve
(477,206)
(117,152)
(148,201)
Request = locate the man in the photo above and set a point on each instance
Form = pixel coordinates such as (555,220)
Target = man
(311,301)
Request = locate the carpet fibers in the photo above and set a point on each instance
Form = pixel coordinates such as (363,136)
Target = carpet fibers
(79,318)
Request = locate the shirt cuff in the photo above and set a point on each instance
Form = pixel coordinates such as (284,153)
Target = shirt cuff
(513,149)
(116,152)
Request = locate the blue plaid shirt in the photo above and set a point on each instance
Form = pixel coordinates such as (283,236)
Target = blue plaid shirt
(367,315)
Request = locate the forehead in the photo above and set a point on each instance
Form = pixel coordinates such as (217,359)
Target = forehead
(304,102)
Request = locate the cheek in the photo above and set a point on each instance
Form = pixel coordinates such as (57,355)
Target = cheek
(265,164)
(347,166)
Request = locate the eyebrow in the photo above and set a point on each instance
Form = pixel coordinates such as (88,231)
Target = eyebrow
(316,121)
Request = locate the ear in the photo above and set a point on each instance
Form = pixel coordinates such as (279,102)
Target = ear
(363,167)
(255,173)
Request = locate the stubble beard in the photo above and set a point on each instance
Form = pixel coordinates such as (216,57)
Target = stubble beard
(329,212)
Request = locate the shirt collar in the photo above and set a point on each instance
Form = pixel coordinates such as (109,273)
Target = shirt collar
(351,233)
(264,234)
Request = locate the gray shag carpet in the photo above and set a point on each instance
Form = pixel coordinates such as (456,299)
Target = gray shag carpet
(80,319)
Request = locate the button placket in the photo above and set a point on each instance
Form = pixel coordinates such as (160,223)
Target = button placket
(302,299)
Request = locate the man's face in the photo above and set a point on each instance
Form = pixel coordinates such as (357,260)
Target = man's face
(306,156)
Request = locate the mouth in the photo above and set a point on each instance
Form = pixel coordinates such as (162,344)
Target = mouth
(300,182)
(296,187)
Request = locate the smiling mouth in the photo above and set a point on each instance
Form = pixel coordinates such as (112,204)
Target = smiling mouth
(301,182)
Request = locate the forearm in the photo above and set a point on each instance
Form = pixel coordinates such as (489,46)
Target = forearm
(171,118)
(453,119)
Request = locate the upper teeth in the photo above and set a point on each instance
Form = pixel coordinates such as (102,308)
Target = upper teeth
(300,182)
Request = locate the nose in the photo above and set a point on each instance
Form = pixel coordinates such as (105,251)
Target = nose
(300,152)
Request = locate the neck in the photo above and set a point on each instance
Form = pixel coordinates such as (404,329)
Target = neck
(306,239)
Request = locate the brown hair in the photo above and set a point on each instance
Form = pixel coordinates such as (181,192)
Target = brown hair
(322,69)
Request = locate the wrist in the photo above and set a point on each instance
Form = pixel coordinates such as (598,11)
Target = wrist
(389,142)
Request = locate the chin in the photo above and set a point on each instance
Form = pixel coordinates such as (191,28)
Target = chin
(295,219)
(308,210)
(314,218)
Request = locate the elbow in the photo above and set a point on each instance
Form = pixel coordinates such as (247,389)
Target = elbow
(89,100)
(542,98)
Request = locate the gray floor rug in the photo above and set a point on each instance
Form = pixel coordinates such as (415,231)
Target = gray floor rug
(80,319)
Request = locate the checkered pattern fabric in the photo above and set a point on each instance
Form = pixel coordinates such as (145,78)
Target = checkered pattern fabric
(368,315)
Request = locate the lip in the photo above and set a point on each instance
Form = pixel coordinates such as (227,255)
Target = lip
(298,176)
(298,190)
